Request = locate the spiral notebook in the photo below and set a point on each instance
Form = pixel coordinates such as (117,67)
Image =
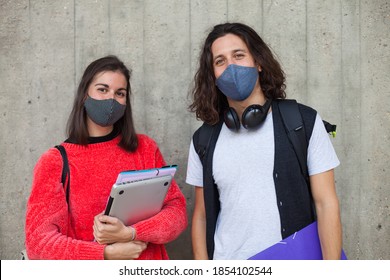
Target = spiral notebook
(133,175)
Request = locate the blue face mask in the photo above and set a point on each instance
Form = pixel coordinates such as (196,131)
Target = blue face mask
(237,82)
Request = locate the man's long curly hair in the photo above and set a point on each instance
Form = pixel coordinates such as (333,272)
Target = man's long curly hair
(208,101)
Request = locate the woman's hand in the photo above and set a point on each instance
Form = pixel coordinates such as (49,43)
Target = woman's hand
(124,251)
(108,230)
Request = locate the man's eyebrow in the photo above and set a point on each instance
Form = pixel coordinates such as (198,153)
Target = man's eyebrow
(233,51)
(239,50)
(214,58)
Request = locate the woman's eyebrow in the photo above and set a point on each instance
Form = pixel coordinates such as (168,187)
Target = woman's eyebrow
(99,84)
(106,86)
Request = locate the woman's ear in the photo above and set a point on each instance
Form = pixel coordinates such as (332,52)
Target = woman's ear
(85,97)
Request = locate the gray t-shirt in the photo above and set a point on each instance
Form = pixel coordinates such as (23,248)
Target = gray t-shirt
(243,164)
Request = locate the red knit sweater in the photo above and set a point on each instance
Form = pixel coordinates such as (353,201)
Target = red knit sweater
(53,232)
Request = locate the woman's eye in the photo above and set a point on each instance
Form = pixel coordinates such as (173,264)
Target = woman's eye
(121,93)
(239,55)
(104,90)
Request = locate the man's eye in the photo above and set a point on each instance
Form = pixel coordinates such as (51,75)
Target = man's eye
(218,61)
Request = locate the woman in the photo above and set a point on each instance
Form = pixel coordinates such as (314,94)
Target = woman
(102,142)
(254,195)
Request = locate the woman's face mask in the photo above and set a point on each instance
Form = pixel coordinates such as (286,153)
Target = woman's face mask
(104,112)
(237,82)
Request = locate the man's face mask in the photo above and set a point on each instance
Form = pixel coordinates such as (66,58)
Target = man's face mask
(104,112)
(237,82)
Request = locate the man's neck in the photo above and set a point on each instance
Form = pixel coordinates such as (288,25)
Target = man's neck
(256,97)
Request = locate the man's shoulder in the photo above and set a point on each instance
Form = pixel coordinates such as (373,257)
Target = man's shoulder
(206,129)
(304,109)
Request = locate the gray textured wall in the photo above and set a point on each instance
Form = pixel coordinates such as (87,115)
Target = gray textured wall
(336,55)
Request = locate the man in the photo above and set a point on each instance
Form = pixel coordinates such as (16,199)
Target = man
(257,195)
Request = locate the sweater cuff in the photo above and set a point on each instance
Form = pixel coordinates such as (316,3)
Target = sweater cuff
(92,252)
(142,232)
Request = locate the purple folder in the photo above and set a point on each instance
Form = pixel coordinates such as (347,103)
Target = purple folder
(302,245)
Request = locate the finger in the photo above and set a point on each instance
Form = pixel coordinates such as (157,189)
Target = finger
(138,242)
(107,219)
(141,244)
(99,227)
(98,215)
(96,234)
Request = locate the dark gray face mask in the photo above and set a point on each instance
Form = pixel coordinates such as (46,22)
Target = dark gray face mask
(104,112)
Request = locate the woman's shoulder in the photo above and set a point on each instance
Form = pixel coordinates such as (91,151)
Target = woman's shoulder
(50,159)
(146,142)
(51,154)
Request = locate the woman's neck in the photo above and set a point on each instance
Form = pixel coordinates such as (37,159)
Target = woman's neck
(95,130)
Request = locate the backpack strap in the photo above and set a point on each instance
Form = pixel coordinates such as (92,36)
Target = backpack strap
(65,171)
(204,141)
(203,138)
(295,129)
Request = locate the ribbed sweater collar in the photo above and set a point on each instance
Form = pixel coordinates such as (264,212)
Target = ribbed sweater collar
(94,140)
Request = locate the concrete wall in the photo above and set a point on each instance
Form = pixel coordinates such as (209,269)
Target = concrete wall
(336,55)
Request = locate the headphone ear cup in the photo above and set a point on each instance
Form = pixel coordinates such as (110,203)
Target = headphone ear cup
(254,115)
(231,119)
(251,116)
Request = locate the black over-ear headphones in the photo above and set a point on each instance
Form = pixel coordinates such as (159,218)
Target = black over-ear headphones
(252,117)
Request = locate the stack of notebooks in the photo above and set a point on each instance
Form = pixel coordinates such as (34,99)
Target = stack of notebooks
(139,194)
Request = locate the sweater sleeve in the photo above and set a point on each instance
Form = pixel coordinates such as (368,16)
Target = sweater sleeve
(47,216)
(171,221)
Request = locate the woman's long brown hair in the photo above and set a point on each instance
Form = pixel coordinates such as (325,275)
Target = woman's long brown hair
(77,129)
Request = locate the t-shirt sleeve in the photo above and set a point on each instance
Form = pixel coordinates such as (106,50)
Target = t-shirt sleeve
(321,155)
(194,168)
